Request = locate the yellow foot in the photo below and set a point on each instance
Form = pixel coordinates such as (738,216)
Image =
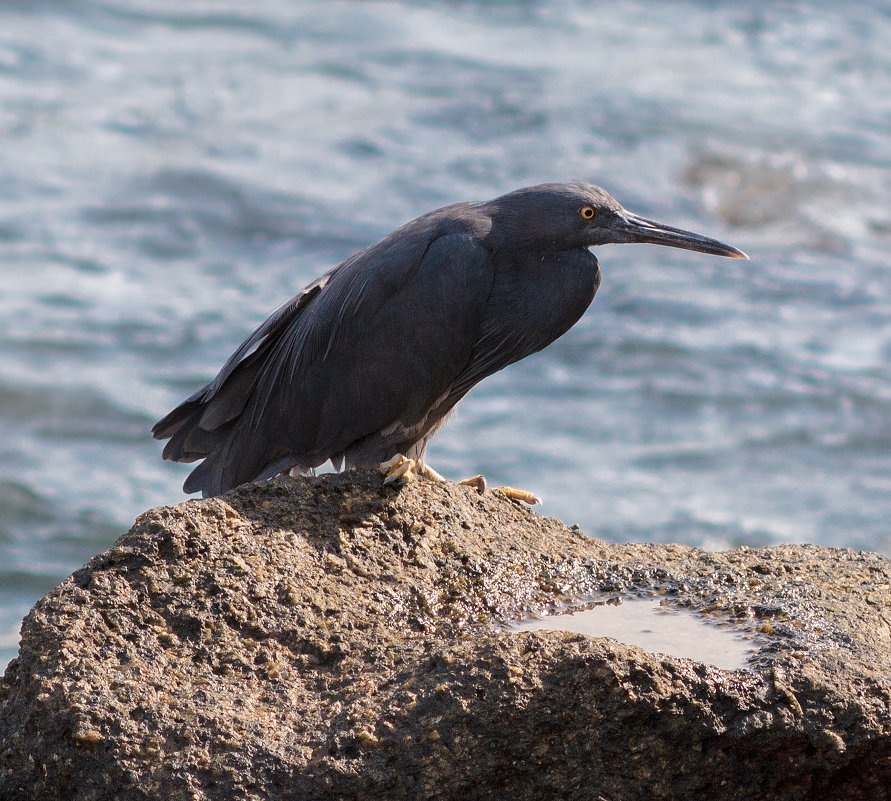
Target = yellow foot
(519,495)
(398,470)
(402,470)
(479,482)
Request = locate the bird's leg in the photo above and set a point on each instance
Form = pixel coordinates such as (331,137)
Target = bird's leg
(398,470)
(425,471)
(479,483)
(401,470)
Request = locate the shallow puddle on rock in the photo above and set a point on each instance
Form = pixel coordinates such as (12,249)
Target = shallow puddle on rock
(649,625)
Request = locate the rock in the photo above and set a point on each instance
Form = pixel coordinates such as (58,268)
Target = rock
(332,638)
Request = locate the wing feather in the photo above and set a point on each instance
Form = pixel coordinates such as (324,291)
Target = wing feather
(371,344)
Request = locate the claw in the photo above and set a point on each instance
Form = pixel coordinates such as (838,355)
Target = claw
(398,470)
(478,482)
(519,495)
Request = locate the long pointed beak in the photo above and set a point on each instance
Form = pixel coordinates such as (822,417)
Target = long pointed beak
(633,228)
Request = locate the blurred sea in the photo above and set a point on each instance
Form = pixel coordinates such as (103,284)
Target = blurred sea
(173,171)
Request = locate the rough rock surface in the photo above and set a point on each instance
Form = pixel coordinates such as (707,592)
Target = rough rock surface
(331,638)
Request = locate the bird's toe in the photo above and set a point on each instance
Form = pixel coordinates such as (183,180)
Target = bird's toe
(398,470)
(519,495)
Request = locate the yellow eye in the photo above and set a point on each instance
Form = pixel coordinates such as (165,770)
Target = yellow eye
(587,213)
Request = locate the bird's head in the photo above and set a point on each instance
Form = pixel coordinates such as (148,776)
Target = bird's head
(563,216)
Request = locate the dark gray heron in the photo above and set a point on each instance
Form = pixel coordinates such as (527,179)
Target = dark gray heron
(364,365)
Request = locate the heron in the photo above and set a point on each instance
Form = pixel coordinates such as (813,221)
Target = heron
(367,362)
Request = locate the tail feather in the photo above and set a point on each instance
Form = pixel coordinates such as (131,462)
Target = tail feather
(199,480)
(192,442)
(172,422)
(201,427)
(220,472)
(215,423)
(230,398)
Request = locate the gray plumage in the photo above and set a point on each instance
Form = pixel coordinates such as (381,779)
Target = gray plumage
(368,360)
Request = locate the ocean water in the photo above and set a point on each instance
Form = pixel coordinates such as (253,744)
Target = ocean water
(171,172)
